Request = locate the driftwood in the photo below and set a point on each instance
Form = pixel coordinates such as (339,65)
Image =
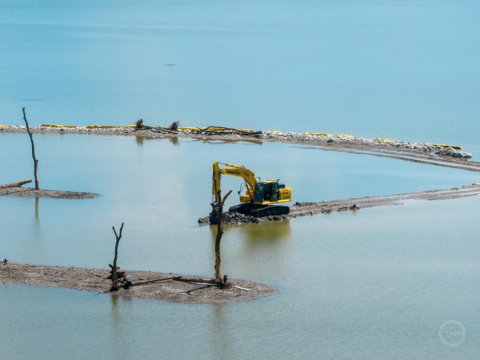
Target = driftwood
(196,280)
(35,161)
(174,126)
(16,184)
(221,130)
(181,278)
(155,281)
(172,129)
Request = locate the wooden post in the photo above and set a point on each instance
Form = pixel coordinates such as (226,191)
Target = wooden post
(114,270)
(35,161)
(220,231)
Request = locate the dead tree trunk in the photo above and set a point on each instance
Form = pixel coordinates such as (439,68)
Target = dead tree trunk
(115,285)
(218,274)
(35,161)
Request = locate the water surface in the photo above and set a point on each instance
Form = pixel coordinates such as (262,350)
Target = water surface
(374,283)
(404,70)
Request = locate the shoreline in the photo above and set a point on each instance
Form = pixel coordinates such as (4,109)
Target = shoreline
(146,284)
(340,142)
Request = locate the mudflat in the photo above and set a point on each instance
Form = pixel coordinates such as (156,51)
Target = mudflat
(55,194)
(145,284)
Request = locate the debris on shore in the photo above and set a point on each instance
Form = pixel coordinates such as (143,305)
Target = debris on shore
(221,132)
(143,284)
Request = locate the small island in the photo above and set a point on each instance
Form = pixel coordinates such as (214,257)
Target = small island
(145,284)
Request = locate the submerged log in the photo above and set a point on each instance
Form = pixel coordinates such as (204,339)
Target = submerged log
(16,184)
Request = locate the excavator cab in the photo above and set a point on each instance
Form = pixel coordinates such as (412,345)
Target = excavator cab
(267,191)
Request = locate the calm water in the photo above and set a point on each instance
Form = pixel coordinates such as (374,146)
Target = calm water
(374,284)
(377,283)
(400,69)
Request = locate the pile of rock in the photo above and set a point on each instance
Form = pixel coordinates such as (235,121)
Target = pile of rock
(454,153)
(328,139)
(234,218)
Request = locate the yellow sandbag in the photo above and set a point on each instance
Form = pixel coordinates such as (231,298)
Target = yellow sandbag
(318,134)
(1,125)
(384,140)
(59,126)
(192,128)
(247,130)
(216,128)
(345,135)
(108,126)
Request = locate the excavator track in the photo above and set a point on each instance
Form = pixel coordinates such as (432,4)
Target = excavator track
(244,209)
(270,210)
(259,210)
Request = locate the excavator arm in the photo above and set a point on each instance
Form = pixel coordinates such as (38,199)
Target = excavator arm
(234,170)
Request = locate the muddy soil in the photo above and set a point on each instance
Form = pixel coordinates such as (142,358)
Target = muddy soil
(146,284)
(352,204)
(55,194)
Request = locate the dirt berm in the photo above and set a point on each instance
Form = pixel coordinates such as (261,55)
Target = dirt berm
(354,204)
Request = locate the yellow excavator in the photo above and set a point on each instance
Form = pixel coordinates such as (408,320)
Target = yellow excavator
(259,196)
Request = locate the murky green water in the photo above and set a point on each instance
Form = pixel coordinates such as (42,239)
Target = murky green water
(377,283)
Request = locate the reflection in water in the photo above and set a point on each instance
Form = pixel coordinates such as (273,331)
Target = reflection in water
(273,233)
(260,246)
(140,139)
(36,209)
(219,336)
(36,226)
(120,326)
(117,312)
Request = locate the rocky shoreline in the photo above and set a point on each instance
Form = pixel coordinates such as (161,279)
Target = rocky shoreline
(218,132)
